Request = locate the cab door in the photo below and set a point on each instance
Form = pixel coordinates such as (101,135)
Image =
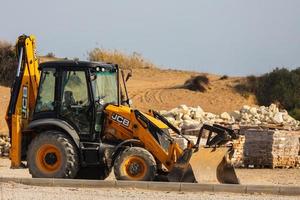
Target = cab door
(76,106)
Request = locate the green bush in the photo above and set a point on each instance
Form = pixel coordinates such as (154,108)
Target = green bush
(281,85)
(295,113)
(8,63)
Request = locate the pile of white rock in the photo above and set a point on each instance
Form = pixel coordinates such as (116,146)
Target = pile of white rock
(4,146)
(184,117)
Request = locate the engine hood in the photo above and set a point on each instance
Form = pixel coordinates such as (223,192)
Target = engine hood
(127,113)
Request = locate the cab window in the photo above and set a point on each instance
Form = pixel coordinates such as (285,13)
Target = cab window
(75,107)
(45,99)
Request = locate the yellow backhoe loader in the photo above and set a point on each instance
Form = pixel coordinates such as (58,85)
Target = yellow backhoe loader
(67,120)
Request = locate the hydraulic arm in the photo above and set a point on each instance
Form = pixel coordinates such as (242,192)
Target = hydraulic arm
(23,95)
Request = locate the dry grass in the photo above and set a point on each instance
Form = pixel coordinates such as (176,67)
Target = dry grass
(134,60)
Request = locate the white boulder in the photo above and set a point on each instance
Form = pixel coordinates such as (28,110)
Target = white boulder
(189,118)
(236,115)
(253,110)
(186,117)
(278,119)
(245,109)
(225,116)
(190,124)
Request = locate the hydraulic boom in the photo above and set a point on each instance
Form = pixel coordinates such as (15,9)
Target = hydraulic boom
(23,94)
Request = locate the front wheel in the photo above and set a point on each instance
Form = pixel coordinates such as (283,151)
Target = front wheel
(52,154)
(135,163)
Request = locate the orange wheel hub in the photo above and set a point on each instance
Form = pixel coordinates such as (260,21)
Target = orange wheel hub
(135,167)
(48,158)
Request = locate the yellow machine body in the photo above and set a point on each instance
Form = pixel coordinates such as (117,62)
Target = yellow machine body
(119,131)
(206,165)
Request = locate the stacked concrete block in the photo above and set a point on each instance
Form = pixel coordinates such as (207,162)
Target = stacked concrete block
(258,148)
(238,156)
(268,148)
(263,148)
(286,149)
(261,144)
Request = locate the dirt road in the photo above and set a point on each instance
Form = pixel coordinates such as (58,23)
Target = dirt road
(19,191)
(247,176)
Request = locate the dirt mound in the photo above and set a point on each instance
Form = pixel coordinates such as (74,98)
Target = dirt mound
(197,83)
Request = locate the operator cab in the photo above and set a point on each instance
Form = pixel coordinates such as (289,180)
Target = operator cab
(76,92)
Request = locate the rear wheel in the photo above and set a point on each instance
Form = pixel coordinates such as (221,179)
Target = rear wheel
(52,154)
(135,163)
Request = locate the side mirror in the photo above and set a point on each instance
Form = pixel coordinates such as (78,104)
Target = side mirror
(125,88)
(128,76)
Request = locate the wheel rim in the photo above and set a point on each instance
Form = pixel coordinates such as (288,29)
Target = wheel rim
(48,158)
(135,167)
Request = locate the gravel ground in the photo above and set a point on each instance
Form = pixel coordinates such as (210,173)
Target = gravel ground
(290,177)
(247,176)
(19,191)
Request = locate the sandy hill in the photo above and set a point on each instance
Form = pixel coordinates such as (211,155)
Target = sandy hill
(160,90)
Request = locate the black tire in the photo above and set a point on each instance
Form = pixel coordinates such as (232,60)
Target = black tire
(135,163)
(52,154)
(93,173)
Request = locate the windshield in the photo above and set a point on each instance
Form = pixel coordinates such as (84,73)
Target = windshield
(105,87)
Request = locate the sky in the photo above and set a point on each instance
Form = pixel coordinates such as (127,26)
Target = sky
(232,37)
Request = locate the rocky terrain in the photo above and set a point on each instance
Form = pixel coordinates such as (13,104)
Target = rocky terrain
(185,117)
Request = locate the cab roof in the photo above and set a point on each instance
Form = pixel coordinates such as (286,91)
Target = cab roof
(74,63)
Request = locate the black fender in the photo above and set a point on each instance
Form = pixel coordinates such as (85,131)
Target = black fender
(48,123)
(121,146)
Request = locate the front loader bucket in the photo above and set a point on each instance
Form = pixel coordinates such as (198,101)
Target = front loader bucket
(210,165)
(207,165)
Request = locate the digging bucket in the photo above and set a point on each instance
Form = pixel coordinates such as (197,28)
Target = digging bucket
(207,165)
